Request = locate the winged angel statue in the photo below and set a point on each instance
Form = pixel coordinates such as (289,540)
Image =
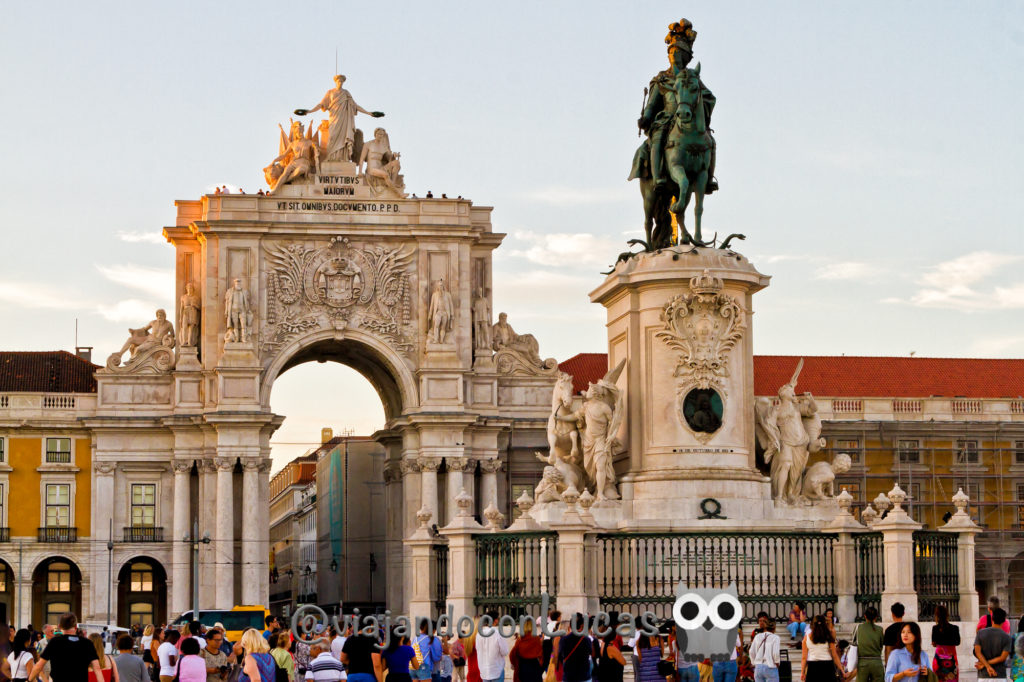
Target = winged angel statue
(789,432)
(298,155)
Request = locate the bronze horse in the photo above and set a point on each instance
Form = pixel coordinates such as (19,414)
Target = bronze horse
(688,153)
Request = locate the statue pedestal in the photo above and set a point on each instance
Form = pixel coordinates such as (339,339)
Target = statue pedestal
(682,316)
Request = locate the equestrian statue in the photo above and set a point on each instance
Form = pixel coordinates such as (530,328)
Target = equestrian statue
(677,159)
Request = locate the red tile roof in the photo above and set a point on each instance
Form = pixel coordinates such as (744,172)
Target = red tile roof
(860,377)
(46,372)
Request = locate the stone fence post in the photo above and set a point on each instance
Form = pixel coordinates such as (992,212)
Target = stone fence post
(462,556)
(844,557)
(424,571)
(962,524)
(572,556)
(898,549)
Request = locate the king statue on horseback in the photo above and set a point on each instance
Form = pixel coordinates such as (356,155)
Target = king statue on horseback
(678,157)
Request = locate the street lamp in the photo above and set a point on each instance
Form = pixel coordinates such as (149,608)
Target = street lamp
(194,540)
(334,566)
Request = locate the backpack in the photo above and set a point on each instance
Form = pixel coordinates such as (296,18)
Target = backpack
(280,674)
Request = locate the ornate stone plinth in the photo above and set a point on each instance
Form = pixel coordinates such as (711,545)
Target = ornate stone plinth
(683,318)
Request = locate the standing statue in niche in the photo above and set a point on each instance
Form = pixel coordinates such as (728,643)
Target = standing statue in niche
(789,433)
(338,103)
(441,315)
(481,321)
(188,324)
(237,313)
(678,157)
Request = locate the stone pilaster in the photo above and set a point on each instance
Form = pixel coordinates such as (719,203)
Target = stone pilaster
(572,563)
(263,566)
(224,539)
(181,561)
(898,553)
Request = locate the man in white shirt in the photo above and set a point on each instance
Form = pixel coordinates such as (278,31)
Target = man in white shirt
(323,666)
(338,643)
(764,652)
(491,652)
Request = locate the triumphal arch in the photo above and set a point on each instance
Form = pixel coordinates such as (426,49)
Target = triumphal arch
(336,262)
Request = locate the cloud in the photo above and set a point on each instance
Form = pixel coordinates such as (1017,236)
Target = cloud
(28,295)
(845,271)
(958,284)
(999,345)
(141,237)
(155,282)
(129,310)
(578,195)
(556,249)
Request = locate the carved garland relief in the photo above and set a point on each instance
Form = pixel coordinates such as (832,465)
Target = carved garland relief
(338,286)
(702,327)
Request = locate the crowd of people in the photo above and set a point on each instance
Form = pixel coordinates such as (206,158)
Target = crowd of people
(585,652)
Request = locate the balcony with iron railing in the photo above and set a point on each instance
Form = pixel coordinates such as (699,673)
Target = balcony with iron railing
(62,534)
(144,534)
(58,457)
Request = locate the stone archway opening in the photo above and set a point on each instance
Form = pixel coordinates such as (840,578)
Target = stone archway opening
(142,592)
(56,589)
(338,555)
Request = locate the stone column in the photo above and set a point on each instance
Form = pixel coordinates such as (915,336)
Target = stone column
(104,501)
(224,564)
(572,531)
(411,495)
(181,593)
(251,545)
(456,482)
(428,484)
(390,561)
(844,557)
(207,513)
(898,552)
(489,482)
(962,524)
(263,515)
(462,555)
(424,578)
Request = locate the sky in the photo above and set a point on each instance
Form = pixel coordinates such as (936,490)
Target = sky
(870,151)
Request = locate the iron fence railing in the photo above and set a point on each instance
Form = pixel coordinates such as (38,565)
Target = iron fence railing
(144,534)
(642,571)
(441,580)
(870,573)
(935,573)
(514,569)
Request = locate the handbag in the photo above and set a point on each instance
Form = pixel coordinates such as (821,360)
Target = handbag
(945,666)
(666,668)
(851,653)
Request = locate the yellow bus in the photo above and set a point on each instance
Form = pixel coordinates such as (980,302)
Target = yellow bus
(235,622)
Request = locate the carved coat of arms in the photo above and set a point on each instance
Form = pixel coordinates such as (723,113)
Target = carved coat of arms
(337,286)
(702,326)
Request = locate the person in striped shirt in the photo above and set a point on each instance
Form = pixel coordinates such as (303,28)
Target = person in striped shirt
(323,667)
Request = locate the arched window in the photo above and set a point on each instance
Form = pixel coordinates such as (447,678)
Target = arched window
(56,609)
(142,577)
(58,579)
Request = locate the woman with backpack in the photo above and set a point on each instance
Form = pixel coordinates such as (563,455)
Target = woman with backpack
(398,658)
(191,667)
(945,639)
(285,671)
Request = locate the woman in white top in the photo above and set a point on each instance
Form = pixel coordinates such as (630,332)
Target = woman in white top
(819,659)
(18,665)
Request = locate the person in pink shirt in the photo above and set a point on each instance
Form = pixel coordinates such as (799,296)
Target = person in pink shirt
(191,667)
(986,620)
